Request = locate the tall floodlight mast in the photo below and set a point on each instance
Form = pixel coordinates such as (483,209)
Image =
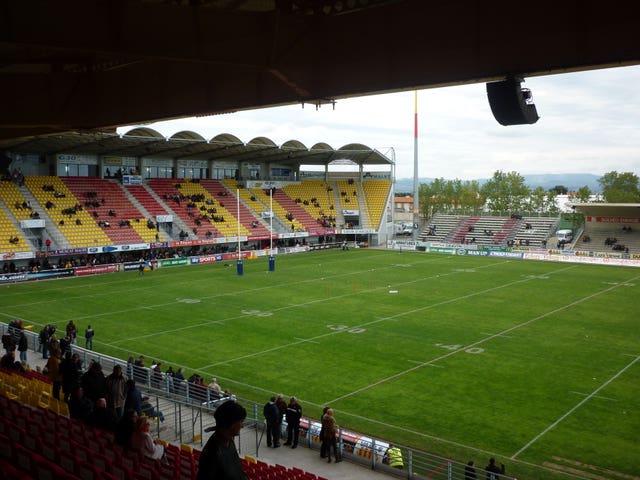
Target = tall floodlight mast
(416,200)
(272,258)
(240,266)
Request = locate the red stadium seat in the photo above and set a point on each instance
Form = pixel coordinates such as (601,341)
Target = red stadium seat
(87,471)
(24,460)
(6,448)
(121,472)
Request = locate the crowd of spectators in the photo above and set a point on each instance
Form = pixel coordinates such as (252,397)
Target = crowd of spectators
(107,401)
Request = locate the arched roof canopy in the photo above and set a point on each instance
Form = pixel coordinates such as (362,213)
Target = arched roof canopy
(148,143)
(187,135)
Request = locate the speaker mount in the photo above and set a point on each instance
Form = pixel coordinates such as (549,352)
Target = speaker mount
(510,103)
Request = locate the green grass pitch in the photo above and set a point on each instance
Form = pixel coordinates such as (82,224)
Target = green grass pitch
(533,362)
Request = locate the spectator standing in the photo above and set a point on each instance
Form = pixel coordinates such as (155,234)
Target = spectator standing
(330,428)
(53,370)
(80,407)
(323,444)
(493,471)
(72,331)
(54,343)
(282,407)
(44,341)
(219,459)
(293,414)
(88,338)
(94,383)
(271,415)
(116,385)
(139,370)
(71,368)
(470,471)
(134,398)
(102,417)
(23,346)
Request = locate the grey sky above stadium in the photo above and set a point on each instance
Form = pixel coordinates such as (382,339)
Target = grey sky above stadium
(589,123)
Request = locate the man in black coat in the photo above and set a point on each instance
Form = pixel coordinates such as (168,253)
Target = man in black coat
(293,415)
(493,471)
(272,416)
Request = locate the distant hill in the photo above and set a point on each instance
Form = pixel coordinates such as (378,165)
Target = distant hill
(572,181)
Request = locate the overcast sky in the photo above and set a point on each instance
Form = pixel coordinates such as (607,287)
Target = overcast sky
(589,123)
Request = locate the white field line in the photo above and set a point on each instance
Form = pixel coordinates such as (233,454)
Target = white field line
(236,317)
(574,408)
(68,283)
(475,344)
(582,394)
(378,320)
(210,297)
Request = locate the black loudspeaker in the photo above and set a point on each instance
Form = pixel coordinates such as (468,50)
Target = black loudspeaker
(510,104)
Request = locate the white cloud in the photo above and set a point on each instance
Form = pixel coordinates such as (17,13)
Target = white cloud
(589,124)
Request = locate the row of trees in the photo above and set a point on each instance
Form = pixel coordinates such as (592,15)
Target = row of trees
(507,193)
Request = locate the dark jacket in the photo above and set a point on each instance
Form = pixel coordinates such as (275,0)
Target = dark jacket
(294,413)
(271,412)
(219,461)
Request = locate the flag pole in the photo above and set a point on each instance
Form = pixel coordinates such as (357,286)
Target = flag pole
(272,258)
(240,266)
(416,200)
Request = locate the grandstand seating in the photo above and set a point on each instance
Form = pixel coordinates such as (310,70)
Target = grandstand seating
(348,195)
(148,202)
(38,443)
(280,211)
(249,212)
(594,236)
(538,234)
(167,188)
(308,190)
(456,229)
(440,227)
(13,199)
(301,216)
(376,193)
(87,233)
(486,230)
(110,197)
(310,202)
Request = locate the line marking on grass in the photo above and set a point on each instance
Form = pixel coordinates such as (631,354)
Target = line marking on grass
(574,408)
(372,322)
(594,396)
(475,344)
(422,362)
(305,340)
(497,335)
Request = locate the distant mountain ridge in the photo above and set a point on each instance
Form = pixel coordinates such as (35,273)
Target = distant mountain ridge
(573,181)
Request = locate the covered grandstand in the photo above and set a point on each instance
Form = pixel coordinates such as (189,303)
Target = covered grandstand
(140,190)
(84,194)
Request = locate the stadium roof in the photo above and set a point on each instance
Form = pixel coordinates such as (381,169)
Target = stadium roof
(147,142)
(625,210)
(144,60)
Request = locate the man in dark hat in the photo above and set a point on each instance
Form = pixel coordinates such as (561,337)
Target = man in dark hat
(219,459)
